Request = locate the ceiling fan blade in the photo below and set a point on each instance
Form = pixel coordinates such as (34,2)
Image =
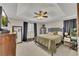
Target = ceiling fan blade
(36,13)
(40,12)
(35,16)
(45,12)
(45,16)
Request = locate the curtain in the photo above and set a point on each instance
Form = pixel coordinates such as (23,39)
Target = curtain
(25,31)
(66,26)
(69,25)
(75,24)
(0,17)
(35,29)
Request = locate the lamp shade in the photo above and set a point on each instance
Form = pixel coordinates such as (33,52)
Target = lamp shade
(66,33)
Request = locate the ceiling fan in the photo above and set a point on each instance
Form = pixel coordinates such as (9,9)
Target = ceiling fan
(40,15)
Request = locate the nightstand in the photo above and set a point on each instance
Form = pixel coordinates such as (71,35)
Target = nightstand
(71,42)
(67,41)
(74,43)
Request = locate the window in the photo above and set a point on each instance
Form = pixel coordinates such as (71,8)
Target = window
(30,33)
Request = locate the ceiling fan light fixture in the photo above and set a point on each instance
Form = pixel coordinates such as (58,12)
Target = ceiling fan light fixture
(41,15)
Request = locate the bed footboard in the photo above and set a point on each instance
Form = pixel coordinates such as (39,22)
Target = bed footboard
(49,44)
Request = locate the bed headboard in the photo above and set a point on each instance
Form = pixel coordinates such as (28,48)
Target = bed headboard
(54,29)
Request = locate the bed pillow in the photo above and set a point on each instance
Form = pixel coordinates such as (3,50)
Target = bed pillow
(50,33)
(60,33)
(55,33)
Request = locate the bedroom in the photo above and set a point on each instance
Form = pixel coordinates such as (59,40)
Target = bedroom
(59,21)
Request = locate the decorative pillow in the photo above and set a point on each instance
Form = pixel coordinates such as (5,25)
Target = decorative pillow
(60,33)
(50,33)
(55,33)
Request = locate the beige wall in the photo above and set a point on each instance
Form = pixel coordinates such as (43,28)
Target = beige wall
(55,24)
(20,23)
(15,23)
(38,28)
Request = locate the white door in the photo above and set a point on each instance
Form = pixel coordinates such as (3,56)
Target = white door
(18,34)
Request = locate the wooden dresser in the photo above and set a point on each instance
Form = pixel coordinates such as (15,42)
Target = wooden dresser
(7,44)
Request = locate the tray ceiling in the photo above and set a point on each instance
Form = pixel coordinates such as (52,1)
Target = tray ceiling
(25,11)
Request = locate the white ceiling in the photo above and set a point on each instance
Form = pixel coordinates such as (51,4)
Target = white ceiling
(25,11)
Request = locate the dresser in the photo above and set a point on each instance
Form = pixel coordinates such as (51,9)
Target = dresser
(8,44)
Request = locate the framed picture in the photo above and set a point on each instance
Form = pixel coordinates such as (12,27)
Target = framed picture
(18,30)
(3,19)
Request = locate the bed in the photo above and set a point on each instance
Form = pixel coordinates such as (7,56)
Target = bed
(49,40)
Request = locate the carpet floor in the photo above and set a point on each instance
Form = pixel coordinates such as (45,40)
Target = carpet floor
(31,49)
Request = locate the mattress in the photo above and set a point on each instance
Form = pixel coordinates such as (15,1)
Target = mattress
(49,41)
(56,38)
